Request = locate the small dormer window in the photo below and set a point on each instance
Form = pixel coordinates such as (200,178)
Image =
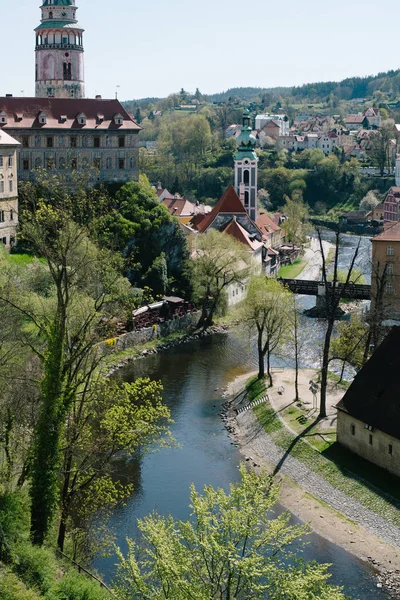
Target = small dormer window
(63,118)
(100,118)
(82,119)
(42,118)
(3,117)
(118,119)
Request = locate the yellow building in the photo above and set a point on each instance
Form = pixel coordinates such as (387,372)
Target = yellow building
(8,189)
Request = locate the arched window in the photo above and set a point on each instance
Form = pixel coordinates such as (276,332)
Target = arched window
(108,163)
(246,177)
(246,198)
(132,163)
(50,14)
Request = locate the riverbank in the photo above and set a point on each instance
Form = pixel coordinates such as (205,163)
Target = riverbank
(118,359)
(334,515)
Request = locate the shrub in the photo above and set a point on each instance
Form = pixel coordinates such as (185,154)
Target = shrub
(14,524)
(77,587)
(11,588)
(35,566)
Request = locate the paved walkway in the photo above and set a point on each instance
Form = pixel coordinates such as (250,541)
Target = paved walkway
(314,259)
(259,443)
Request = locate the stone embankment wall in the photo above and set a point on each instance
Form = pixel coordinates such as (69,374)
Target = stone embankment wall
(141,336)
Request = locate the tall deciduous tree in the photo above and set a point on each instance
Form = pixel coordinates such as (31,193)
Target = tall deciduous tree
(331,304)
(295,225)
(266,310)
(231,549)
(381,149)
(106,419)
(60,330)
(220,262)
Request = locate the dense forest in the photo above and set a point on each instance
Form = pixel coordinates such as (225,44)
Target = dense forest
(350,88)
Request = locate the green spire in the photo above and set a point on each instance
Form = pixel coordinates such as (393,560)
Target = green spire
(246,141)
(58,3)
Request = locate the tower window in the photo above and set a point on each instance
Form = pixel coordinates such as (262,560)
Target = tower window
(246,177)
(67,71)
(50,14)
(246,198)
(11,214)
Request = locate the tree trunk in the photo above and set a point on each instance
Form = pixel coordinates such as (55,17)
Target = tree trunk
(46,461)
(62,529)
(261,361)
(269,367)
(324,370)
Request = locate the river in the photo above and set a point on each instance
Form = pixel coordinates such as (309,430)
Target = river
(192,375)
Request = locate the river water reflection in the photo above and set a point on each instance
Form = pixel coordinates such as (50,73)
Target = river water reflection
(191,375)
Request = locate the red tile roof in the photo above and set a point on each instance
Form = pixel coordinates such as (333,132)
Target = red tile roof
(266,224)
(354,119)
(241,235)
(22,113)
(179,207)
(392,234)
(229,203)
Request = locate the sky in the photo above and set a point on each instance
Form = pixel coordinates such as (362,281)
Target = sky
(151,49)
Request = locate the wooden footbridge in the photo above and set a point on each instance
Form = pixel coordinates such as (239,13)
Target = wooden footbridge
(353,291)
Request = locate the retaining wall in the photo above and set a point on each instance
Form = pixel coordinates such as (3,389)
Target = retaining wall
(141,336)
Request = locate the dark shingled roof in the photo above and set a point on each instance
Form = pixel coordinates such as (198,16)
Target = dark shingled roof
(374,395)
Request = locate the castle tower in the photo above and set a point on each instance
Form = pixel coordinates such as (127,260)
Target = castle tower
(246,162)
(59,51)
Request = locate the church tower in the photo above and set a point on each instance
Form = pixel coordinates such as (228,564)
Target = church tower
(246,162)
(59,52)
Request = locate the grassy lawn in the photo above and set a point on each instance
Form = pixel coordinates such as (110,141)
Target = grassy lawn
(371,486)
(292,271)
(22,260)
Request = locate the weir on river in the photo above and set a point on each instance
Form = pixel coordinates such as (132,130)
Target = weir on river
(193,375)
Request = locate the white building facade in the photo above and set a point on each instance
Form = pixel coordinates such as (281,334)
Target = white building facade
(281,120)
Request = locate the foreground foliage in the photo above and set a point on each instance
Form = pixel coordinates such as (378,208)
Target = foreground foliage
(232,548)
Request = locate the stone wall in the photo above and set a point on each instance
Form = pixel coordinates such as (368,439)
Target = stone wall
(373,445)
(141,336)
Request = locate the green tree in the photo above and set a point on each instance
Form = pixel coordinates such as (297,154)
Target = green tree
(232,548)
(60,330)
(157,277)
(295,225)
(381,148)
(266,310)
(220,261)
(142,229)
(349,345)
(106,420)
